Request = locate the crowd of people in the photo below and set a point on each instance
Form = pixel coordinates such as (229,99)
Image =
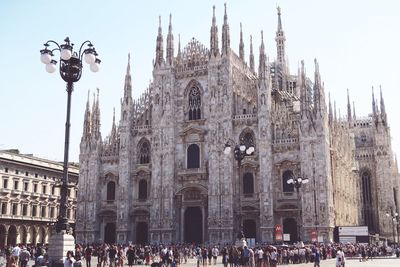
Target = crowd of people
(105,255)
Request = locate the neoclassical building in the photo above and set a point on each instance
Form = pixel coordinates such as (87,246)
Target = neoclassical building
(161,175)
(29,197)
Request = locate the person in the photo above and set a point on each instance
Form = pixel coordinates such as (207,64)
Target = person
(317,258)
(112,252)
(274,258)
(88,255)
(77,262)
(215,253)
(15,252)
(69,259)
(339,258)
(24,257)
(130,254)
(12,262)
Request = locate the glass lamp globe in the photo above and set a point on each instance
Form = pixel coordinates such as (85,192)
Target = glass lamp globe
(66,53)
(94,67)
(90,58)
(250,150)
(51,67)
(227,150)
(289,181)
(242,148)
(45,58)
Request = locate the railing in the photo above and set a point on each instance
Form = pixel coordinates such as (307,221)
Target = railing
(245,116)
(286,141)
(141,127)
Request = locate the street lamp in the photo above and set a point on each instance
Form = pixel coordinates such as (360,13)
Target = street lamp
(298,182)
(394,217)
(240,151)
(70,71)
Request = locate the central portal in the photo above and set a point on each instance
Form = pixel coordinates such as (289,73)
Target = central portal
(193,225)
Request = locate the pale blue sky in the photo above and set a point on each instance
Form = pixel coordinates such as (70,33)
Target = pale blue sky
(356,42)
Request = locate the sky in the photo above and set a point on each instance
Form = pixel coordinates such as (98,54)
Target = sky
(355,42)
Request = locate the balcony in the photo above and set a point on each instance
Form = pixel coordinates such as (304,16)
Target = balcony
(286,201)
(193,174)
(109,205)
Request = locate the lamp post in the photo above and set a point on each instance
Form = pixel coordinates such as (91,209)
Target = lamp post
(70,71)
(394,217)
(297,183)
(240,151)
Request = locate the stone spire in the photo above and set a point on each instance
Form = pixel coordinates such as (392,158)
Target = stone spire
(330,115)
(214,49)
(170,43)
(95,122)
(303,92)
(241,44)
(113,135)
(382,104)
(373,103)
(280,42)
(179,47)
(128,82)
(159,46)
(348,107)
(354,111)
(334,108)
(251,57)
(317,88)
(226,39)
(262,58)
(86,121)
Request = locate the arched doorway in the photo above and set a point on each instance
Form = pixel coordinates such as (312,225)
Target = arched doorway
(249,229)
(12,235)
(290,227)
(142,233)
(109,233)
(193,226)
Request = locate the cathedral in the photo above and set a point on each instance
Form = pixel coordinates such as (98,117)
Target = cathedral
(161,174)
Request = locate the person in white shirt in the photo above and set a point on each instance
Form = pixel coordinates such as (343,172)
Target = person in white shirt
(69,259)
(339,258)
(15,252)
(215,253)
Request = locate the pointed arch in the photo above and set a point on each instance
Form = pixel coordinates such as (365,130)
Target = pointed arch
(248,138)
(193,94)
(144,151)
(285,177)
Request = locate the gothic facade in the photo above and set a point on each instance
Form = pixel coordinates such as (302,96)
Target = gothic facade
(161,174)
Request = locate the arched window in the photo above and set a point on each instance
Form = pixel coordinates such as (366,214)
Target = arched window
(193,156)
(248,184)
(142,189)
(144,152)
(285,186)
(194,104)
(247,137)
(111,191)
